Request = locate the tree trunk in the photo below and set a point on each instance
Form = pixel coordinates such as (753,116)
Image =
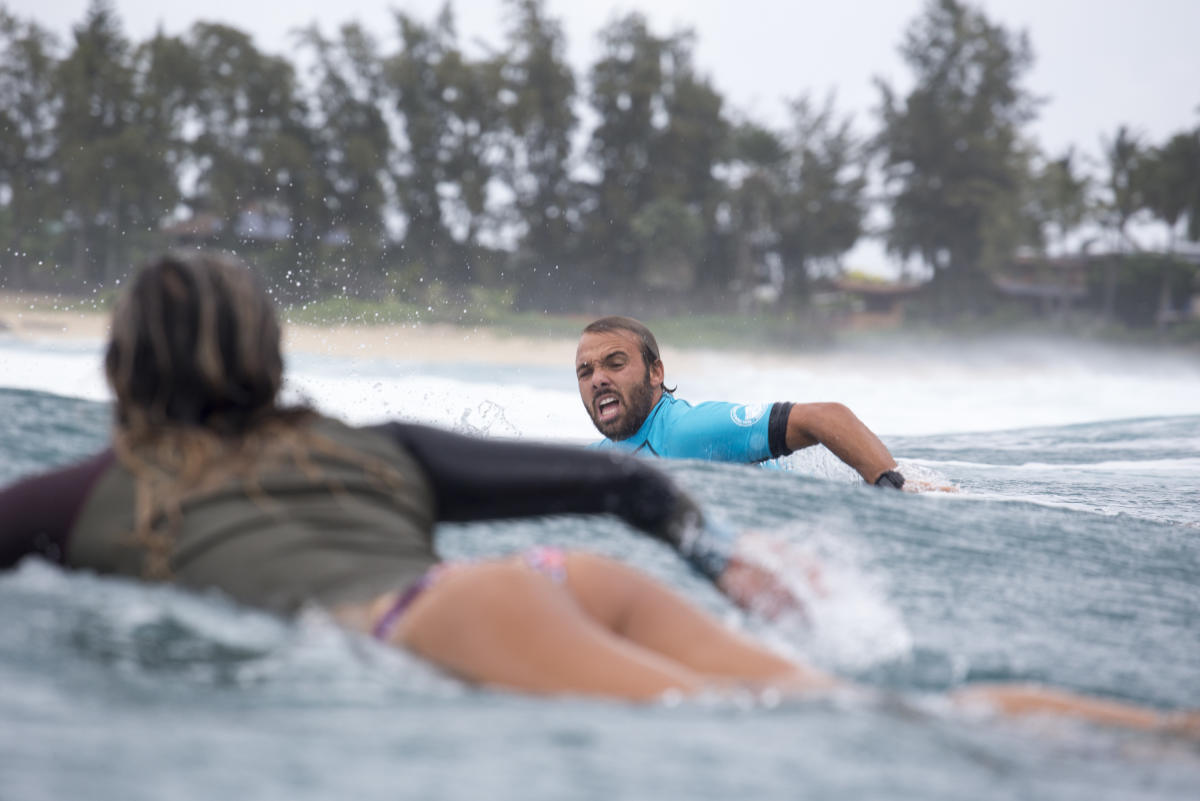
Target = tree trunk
(1110,290)
(1164,301)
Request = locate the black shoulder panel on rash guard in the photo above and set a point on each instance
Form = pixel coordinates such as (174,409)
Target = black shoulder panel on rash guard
(36,515)
(777,429)
(482,479)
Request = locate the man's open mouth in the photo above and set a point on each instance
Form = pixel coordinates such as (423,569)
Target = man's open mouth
(607,408)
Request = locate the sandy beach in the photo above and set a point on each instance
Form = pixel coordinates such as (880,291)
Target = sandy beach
(36,317)
(32,316)
(45,317)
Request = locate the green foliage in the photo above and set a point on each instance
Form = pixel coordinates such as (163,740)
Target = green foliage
(800,200)
(1169,180)
(420,179)
(29,102)
(343,310)
(951,147)
(1136,290)
(671,235)
(434,302)
(1123,155)
(823,203)
(659,135)
(1061,201)
(451,127)
(537,95)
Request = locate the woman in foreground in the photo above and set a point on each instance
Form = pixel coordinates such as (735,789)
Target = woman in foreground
(211,484)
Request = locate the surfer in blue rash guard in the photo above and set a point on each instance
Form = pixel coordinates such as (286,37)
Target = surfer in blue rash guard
(621,382)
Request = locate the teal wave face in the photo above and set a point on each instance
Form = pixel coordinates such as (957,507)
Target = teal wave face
(1144,468)
(39,431)
(1146,439)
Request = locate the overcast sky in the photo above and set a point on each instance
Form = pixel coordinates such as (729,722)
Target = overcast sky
(1098,63)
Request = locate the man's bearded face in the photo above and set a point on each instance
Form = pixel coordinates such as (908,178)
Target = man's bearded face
(617,387)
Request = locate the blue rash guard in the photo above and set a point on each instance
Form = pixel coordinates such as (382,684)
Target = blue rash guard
(716,431)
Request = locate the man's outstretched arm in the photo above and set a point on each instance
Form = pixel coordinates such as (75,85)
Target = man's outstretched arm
(838,429)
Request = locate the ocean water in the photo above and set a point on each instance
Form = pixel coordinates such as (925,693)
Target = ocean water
(1069,555)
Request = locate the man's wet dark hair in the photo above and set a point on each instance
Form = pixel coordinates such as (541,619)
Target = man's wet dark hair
(648,345)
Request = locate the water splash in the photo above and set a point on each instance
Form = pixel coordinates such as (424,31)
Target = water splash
(849,623)
(486,420)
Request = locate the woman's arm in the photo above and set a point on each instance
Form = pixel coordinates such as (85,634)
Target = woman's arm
(484,479)
(36,514)
(480,479)
(475,479)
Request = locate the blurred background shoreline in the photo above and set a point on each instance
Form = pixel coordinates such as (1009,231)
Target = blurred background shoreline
(382,331)
(403,171)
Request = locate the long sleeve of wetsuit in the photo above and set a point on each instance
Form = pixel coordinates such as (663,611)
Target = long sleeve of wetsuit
(481,479)
(37,513)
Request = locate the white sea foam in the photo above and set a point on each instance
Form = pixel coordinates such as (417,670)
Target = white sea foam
(69,369)
(1126,467)
(908,392)
(849,623)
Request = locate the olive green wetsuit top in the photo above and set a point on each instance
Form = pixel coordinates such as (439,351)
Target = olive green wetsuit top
(337,534)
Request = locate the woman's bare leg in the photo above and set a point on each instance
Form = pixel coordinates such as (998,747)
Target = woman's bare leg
(636,607)
(504,624)
(1023,700)
(616,632)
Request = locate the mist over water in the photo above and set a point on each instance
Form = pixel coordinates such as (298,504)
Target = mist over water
(905,390)
(1070,556)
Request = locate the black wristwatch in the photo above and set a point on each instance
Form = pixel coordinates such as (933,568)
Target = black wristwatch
(890,478)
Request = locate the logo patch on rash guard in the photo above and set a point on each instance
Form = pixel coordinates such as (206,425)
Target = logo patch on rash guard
(749,414)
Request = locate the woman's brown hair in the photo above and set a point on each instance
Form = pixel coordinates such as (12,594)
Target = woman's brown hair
(194,342)
(195,362)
